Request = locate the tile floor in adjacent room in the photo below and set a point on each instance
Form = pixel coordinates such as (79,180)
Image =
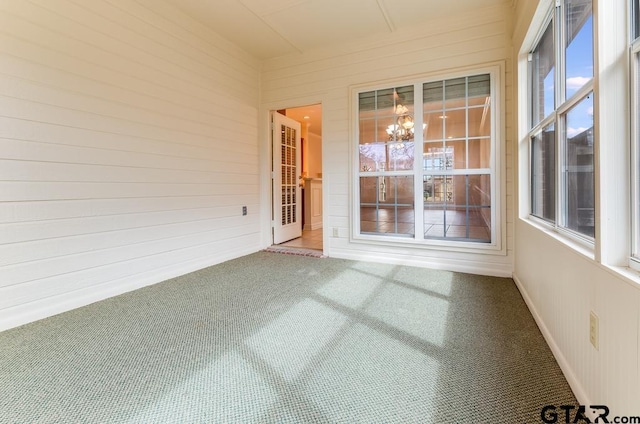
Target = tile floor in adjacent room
(311,239)
(438,223)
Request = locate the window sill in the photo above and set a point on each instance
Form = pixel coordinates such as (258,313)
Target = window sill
(439,245)
(627,274)
(581,247)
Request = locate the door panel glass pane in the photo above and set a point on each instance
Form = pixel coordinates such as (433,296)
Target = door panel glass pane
(579,45)
(387,205)
(579,177)
(542,84)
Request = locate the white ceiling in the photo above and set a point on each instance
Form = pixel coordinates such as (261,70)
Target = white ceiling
(272,28)
(309,116)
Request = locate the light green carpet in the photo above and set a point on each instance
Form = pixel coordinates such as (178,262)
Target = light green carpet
(272,338)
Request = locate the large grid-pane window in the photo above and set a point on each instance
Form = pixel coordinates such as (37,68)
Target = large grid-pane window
(561,132)
(430,178)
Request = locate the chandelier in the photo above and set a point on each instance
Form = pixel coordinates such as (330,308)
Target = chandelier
(403,129)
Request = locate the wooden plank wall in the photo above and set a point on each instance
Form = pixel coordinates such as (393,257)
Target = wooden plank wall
(128,146)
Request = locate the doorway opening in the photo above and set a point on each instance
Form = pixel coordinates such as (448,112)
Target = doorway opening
(308,176)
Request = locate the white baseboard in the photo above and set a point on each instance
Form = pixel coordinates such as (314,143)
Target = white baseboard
(469,267)
(565,366)
(44,308)
(314,226)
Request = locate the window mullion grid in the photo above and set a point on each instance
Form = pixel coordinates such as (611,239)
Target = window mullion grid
(559,93)
(420,170)
(444,149)
(561,171)
(418,164)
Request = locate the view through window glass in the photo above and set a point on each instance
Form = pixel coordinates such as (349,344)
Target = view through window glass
(442,187)
(561,134)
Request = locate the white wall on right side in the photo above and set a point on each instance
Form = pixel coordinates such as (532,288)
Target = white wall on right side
(563,284)
(561,287)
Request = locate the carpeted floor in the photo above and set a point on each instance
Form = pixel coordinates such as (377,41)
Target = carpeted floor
(272,338)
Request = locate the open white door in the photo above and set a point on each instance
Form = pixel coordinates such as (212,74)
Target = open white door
(287,217)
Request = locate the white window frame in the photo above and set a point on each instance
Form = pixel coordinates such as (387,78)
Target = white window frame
(634,53)
(558,117)
(497,245)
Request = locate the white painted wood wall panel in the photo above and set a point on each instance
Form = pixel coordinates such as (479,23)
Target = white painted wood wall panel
(561,285)
(561,288)
(128,145)
(325,75)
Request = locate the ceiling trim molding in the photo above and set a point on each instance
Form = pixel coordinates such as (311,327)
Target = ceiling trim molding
(386,16)
(298,49)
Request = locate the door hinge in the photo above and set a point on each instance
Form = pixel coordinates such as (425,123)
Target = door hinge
(273,224)
(530,57)
(273,175)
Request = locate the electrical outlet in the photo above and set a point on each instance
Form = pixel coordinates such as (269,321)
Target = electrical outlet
(594,328)
(244,210)
(335,232)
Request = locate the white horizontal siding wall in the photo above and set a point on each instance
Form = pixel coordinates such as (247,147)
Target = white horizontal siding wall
(475,39)
(128,146)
